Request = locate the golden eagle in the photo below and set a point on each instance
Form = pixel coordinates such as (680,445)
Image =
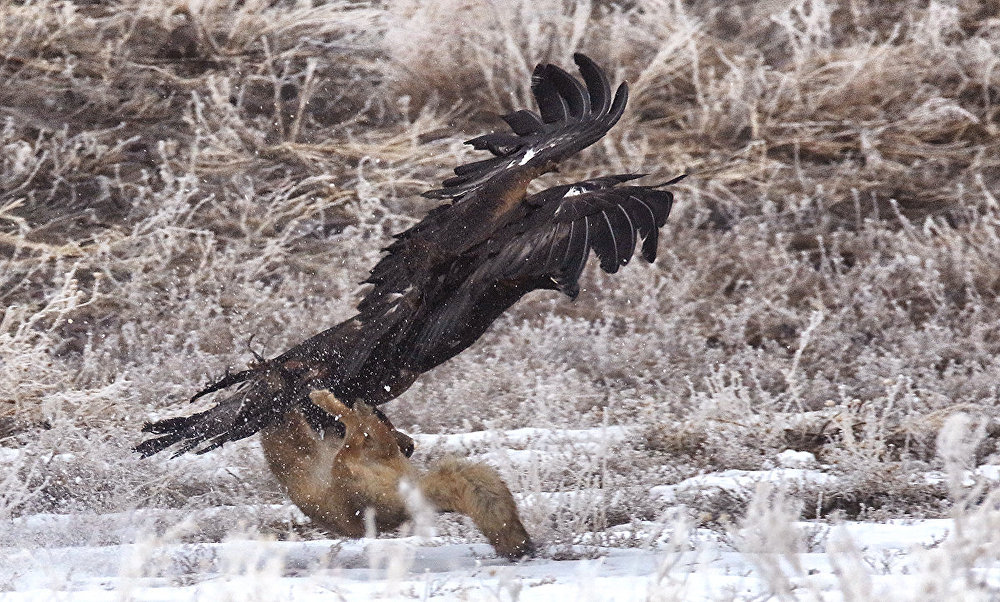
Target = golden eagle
(443,282)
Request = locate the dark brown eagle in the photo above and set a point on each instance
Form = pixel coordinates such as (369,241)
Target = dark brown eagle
(445,280)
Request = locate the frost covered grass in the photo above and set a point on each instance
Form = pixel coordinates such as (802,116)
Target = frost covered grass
(178,176)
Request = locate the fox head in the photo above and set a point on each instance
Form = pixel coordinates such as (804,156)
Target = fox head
(365,433)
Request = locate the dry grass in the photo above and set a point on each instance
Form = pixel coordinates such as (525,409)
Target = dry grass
(175,177)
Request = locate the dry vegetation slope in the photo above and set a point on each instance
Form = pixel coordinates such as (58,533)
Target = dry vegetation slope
(177,176)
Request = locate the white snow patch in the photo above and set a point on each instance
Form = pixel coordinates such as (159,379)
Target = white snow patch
(741,481)
(9,455)
(988,473)
(525,437)
(796,459)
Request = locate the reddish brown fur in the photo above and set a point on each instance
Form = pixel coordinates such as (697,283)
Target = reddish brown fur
(335,480)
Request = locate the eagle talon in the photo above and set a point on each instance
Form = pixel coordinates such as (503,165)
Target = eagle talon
(259,360)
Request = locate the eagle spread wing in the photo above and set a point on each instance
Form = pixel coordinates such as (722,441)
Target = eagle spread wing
(445,280)
(572,118)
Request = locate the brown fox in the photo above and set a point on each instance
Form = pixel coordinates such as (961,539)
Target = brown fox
(334,480)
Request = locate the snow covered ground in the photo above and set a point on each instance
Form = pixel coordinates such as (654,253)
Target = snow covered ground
(890,561)
(205,555)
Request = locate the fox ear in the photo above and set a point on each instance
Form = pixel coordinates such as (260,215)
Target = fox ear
(329,403)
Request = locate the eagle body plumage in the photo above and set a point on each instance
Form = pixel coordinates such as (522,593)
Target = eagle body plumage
(444,281)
